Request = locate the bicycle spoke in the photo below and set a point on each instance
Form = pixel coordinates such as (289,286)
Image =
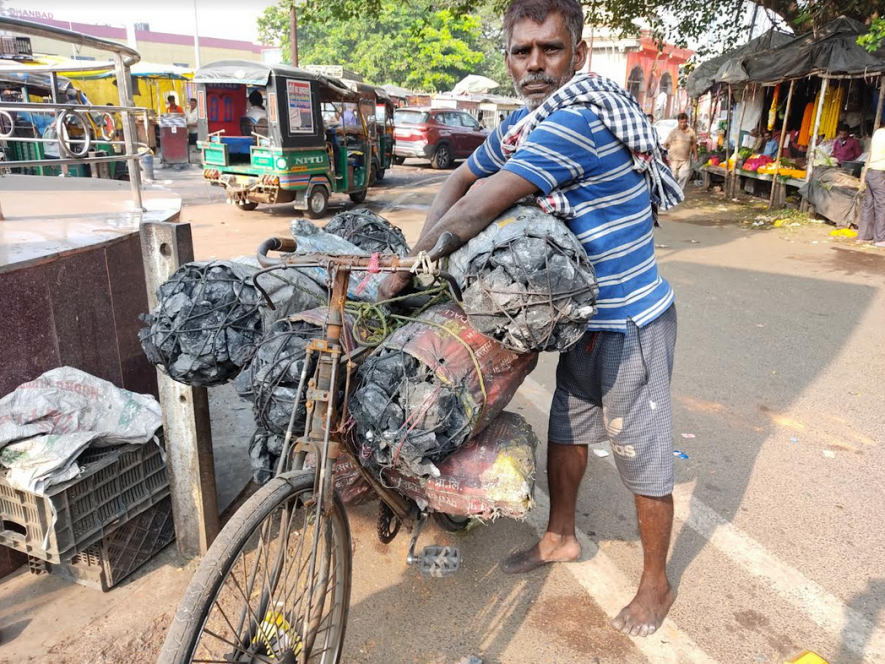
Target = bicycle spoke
(238,648)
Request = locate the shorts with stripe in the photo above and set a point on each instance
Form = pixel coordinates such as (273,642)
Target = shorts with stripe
(616,387)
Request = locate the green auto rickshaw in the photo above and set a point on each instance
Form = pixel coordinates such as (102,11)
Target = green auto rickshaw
(279,134)
(377,108)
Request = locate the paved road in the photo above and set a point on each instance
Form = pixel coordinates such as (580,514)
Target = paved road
(778,543)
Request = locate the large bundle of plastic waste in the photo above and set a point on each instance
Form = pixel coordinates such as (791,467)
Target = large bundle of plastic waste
(431,386)
(209,316)
(271,381)
(527,281)
(370,232)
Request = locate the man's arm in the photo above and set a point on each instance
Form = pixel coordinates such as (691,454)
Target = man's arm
(453,190)
(466,217)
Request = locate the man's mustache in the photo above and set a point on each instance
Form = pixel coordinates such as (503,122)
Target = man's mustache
(536,78)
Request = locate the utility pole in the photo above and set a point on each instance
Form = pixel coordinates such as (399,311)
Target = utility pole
(293,35)
(196,36)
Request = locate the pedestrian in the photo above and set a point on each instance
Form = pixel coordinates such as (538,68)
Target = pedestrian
(682,145)
(172,106)
(846,147)
(589,155)
(872,220)
(191,120)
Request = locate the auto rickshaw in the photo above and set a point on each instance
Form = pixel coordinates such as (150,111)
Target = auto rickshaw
(279,134)
(377,108)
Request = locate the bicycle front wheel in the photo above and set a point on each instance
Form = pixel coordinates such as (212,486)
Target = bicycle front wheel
(274,587)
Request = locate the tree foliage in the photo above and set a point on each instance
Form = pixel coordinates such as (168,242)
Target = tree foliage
(719,23)
(389,42)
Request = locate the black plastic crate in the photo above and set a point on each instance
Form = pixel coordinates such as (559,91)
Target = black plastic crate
(115,485)
(106,563)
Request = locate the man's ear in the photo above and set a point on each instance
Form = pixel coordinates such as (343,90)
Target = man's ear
(580,55)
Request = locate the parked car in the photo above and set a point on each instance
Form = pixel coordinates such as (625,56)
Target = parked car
(438,134)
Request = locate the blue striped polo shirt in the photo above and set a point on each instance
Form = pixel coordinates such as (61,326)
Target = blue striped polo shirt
(602,199)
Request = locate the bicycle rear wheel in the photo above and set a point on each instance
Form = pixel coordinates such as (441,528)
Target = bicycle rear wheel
(261,594)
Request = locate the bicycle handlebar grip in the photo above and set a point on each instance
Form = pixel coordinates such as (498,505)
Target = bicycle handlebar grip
(446,244)
(286,244)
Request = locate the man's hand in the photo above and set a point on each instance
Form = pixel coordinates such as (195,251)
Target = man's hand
(393,284)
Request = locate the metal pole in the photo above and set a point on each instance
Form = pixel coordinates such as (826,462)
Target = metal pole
(129,132)
(876,123)
(196,36)
(780,147)
(293,35)
(729,175)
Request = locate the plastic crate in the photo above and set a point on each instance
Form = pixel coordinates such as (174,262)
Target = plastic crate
(115,485)
(106,563)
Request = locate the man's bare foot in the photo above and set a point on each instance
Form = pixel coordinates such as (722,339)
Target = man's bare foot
(551,548)
(645,614)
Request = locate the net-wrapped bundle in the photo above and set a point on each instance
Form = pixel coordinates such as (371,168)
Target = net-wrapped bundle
(431,386)
(490,476)
(526,281)
(209,316)
(368,231)
(313,240)
(271,381)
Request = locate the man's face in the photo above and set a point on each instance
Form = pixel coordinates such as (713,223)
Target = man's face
(193,104)
(683,123)
(541,58)
(843,135)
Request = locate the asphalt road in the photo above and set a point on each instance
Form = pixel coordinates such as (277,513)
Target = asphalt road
(778,544)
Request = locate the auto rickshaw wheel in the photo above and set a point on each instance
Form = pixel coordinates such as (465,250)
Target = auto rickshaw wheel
(379,175)
(246,206)
(317,203)
(399,161)
(358,196)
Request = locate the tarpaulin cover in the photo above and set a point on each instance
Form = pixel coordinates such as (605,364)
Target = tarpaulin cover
(368,231)
(430,387)
(209,316)
(834,195)
(527,281)
(45,425)
(246,72)
(271,381)
(704,75)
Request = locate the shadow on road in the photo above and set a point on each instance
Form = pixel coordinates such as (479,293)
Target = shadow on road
(871,604)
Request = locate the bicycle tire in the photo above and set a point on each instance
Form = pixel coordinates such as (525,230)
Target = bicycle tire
(186,629)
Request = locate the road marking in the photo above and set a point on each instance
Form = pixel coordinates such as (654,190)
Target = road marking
(856,632)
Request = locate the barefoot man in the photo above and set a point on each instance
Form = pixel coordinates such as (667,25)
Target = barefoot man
(588,154)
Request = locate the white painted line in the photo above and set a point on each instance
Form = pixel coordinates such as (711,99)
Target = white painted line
(857,633)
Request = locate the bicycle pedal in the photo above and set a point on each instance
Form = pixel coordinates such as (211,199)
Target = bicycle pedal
(439,561)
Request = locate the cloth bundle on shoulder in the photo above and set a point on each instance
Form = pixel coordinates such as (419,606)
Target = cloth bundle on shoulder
(431,386)
(209,316)
(527,281)
(271,381)
(370,232)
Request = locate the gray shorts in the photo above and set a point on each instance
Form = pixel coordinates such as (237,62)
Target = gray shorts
(616,387)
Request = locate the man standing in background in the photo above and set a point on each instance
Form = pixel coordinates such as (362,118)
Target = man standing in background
(191,119)
(171,106)
(872,221)
(682,145)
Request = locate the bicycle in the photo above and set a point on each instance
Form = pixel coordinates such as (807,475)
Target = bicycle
(274,586)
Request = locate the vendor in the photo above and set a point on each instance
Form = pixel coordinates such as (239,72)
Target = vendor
(846,147)
(771,144)
(172,106)
(756,142)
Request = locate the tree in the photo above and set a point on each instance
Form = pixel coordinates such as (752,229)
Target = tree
(390,44)
(722,22)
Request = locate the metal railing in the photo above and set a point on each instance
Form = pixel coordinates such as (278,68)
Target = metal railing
(123,58)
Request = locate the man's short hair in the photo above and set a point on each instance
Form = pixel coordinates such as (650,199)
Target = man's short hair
(539,10)
(255,98)
(193,99)
(682,116)
(842,127)
(171,98)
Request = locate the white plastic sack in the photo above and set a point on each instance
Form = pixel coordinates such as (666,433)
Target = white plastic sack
(45,425)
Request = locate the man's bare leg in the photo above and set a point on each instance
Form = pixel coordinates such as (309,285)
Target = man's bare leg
(645,614)
(565,469)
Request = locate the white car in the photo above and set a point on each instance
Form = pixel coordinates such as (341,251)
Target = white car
(664,127)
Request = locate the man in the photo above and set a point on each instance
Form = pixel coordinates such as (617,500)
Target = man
(682,144)
(615,383)
(171,106)
(771,145)
(256,110)
(191,119)
(846,147)
(754,141)
(872,221)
